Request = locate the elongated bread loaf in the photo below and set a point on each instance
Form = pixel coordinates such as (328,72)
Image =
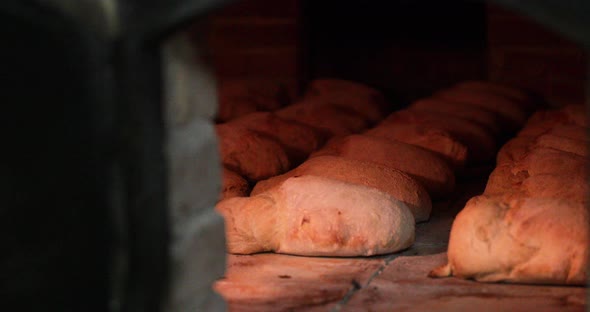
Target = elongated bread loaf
(520,96)
(514,111)
(538,161)
(481,144)
(363,99)
(241,97)
(486,118)
(316,113)
(517,148)
(233,185)
(298,139)
(532,240)
(316,216)
(433,139)
(251,154)
(428,169)
(545,120)
(388,180)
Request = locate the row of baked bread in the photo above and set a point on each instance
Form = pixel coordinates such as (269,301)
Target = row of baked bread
(361,194)
(259,145)
(532,223)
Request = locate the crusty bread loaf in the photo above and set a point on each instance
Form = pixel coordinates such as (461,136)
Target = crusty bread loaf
(522,97)
(241,97)
(233,185)
(517,148)
(428,169)
(332,120)
(388,180)
(514,111)
(486,118)
(570,131)
(532,240)
(363,99)
(563,144)
(514,150)
(545,120)
(251,154)
(541,160)
(298,139)
(504,181)
(551,186)
(433,139)
(315,216)
(481,144)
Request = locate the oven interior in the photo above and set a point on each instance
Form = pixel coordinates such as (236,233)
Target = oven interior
(112,162)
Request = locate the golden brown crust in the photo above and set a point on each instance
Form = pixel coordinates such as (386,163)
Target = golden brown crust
(250,154)
(361,98)
(433,139)
(424,166)
(488,119)
(316,216)
(316,113)
(233,185)
(513,93)
(512,110)
(298,139)
(531,240)
(391,181)
(241,97)
(481,144)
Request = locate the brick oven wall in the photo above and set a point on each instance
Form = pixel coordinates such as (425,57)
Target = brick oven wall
(407,52)
(525,54)
(257,40)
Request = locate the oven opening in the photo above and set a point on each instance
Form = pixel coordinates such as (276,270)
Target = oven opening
(296,155)
(318,101)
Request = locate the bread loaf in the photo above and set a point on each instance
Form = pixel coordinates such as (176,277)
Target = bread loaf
(424,166)
(509,175)
(360,98)
(532,240)
(513,111)
(515,94)
(570,131)
(517,148)
(481,144)
(241,97)
(331,119)
(249,153)
(486,118)
(388,180)
(435,140)
(316,216)
(544,120)
(514,150)
(233,185)
(298,139)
